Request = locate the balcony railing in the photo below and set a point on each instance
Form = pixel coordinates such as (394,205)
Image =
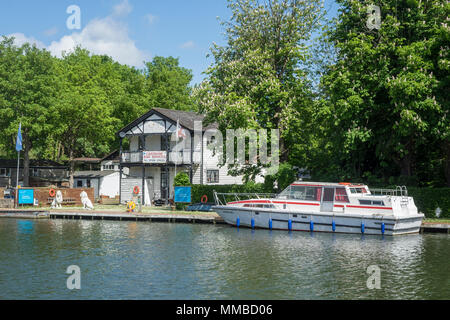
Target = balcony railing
(159,157)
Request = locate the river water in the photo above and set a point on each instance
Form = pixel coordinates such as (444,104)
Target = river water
(136,260)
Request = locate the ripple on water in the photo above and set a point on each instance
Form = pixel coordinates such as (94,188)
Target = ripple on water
(129,260)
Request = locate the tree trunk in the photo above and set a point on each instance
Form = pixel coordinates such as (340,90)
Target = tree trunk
(71,169)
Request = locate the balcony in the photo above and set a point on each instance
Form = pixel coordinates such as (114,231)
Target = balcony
(158,157)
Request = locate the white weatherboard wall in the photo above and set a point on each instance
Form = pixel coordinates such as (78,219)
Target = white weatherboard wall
(211,162)
(109,185)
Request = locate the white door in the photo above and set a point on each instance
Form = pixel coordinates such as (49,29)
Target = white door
(327,199)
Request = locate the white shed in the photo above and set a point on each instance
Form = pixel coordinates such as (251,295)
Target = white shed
(105,183)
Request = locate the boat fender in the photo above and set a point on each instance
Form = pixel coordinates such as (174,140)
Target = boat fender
(362,227)
(270,224)
(333,226)
(311,226)
(238,222)
(290,225)
(382,228)
(253,223)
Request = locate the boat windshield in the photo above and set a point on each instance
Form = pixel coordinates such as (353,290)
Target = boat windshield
(301,193)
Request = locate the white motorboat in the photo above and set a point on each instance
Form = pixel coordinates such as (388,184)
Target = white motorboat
(324,207)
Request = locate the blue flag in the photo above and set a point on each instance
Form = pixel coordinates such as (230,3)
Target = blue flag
(19,139)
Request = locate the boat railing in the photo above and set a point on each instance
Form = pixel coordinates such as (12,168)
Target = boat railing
(399,191)
(223,199)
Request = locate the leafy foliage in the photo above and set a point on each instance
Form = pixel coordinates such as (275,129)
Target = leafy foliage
(385,100)
(257,79)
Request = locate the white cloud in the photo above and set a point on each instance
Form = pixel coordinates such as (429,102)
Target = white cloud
(105,36)
(188,45)
(20,39)
(151,18)
(122,9)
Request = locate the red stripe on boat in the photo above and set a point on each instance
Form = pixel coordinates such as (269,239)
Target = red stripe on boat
(277,202)
(366,207)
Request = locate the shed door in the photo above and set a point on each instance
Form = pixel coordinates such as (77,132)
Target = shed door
(327,200)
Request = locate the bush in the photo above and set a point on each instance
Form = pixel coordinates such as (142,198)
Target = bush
(182,180)
(284,177)
(199,190)
(428,199)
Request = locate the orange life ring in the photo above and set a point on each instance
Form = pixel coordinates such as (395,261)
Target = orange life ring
(136,190)
(52,192)
(205,197)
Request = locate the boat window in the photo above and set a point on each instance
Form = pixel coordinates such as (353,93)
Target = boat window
(301,193)
(297,192)
(251,205)
(310,193)
(358,190)
(285,193)
(371,202)
(341,195)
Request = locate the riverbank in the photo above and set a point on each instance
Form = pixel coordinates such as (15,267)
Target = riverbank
(153,214)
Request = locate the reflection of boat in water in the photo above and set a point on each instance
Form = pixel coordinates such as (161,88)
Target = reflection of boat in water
(325,207)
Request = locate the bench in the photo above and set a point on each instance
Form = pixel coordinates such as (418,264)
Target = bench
(66,201)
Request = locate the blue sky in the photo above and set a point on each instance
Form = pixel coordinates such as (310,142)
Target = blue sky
(128,30)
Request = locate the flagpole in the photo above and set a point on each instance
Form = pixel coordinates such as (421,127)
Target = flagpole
(176,148)
(18,148)
(18,159)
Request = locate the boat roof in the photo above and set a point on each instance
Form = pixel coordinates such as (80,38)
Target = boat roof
(321,184)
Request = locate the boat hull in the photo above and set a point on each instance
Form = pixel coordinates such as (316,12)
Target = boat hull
(320,221)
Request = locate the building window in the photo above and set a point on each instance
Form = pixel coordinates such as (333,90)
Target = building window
(88,183)
(5,172)
(79,183)
(164,143)
(34,172)
(108,167)
(212,176)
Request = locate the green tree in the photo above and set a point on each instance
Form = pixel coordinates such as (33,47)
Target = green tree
(82,117)
(168,84)
(27,90)
(258,79)
(385,103)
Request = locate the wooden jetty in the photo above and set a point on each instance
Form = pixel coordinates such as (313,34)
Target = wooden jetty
(24,214)
(154,217)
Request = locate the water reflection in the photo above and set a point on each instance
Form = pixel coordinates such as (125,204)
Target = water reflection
(130,260)
(25,226)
